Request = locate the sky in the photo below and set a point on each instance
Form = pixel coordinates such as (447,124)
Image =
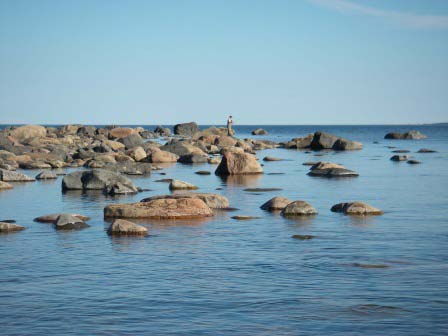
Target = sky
(264,62)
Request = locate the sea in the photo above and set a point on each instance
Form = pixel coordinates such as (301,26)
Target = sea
(379,275)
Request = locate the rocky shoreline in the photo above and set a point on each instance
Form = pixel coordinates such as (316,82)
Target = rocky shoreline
(106,158)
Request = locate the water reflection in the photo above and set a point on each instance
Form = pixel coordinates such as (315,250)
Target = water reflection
(241,180)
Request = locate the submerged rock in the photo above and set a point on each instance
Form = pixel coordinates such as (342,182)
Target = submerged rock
(238,164)
(52,218)
(413,162)
(298,208)
(400,158)
(203,172)
(10,227)
(333,172)
(167,208)
(242,217)
(261,189)
(69,222)
(302,237)
(276,203)
(426,150)
(356,208)
(121,227)
(259,131)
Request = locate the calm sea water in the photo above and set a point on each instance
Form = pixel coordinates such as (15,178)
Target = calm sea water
(221,276)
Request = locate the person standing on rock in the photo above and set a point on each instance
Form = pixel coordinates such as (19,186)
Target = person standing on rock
(229,126)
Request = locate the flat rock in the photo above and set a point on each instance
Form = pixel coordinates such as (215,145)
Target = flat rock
(69,222)
(242,217)
(214,201)
(413,162)
(276,203)
(10,227)
(5,186)
(298,208)
(326,165)
(160,209)
(202,172)
(303,237)
(401,151)
(46,176)
(411,135)
(333,172)
(52,218)
(181,185)
(12,176)
(356,208)
(122,227)
(400,158)
(238,164)
(426,150)
(261,189)
(271,158)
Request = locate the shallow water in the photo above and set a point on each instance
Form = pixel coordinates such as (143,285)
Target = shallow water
(223,276)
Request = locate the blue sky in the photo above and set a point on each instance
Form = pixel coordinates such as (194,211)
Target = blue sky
(264,62)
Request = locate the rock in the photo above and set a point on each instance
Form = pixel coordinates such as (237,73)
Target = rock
(400,151)
(299,143)
(52,218)
(400,158)
(10,227)
(326,165)
(4,186)
(202,172)
(298,208)
(225,141)
(69,222)
(270,158)
(12,176)
(46,176)
(370,265)
(242,217)
(411,135)
(137,153)
(344,144)
(261,189)
(276,203)
(161,156)
(333,172)
(303,237)
(356,208)
(322,140)
(121,227)
(214,160)
(309,163)
(34,165)
(132,140)
(129,167)
(426,150)
(179,208)
(413,162)
(121,132)
(181,185)
(28,132)
(114,145)
(259,131)
(214,201)
(99,179)
(186,129)
(182,148)
(238,164)
(162,131)
(192,158)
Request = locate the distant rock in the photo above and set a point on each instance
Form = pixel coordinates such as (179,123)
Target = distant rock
(401,151)
(400,158)
(356,208)
(46,176)
(326,165)
(322,140)
(333,172)
(426,150)
(12,176)
(411,135)
(270,158)
(162,131)
(298,208)
(262,189)
(276,203)
(259,131)
(302,237)
(52,218)
(202,172)
(181,185)
(121,227)
(238,164)
(413,162)
(243,217)
(69,222)
(186,129)
(99,179)
(167,208)
(10,227)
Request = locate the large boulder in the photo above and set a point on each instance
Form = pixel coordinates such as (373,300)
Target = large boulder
(238,164)
(28,132)
(356,208)
(325,165)
(322,140)
(182,148)
(411,135)
(193,158)
(276,203)
(161,156)
(10,227)
(298,208)
(132,140)
(121,227)
(121,132)
(214,201)
(259,131)
(333,172)
(137,153)
(12,176)
(186,129)
(99,179)
(69,222)
(179,208)
(162,131)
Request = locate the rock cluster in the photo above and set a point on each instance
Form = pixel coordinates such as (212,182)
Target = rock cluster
(411,135)
(321,141)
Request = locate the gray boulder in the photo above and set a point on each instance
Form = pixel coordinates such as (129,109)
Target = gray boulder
(356,208)
(122,227)
(10,227)
(333,172)
(298,208)
(411,135)
(276,203)
(69,222)
(259,131)
(132,140)
(12,176)
(186,129)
